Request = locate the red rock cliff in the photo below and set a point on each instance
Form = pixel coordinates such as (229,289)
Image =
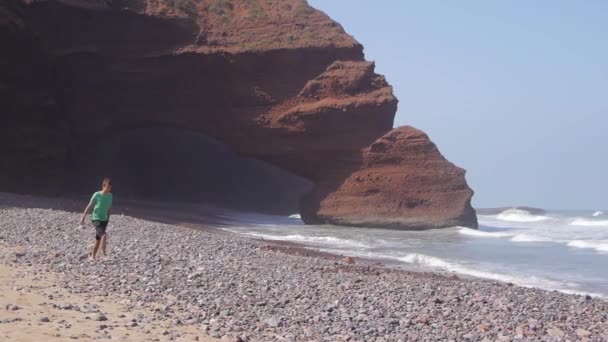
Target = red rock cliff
(274,80)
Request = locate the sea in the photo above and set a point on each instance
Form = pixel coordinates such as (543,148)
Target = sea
(562,250)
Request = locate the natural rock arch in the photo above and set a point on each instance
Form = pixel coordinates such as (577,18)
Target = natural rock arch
(289,87)
(182,166)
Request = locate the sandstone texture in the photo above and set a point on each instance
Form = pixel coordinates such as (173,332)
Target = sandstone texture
(274,80)
(404,180)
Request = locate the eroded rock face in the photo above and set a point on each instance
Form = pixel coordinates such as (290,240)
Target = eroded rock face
(33,131)
(274,80)
(403,181)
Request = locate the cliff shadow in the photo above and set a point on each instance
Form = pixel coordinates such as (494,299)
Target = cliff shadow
(182,166)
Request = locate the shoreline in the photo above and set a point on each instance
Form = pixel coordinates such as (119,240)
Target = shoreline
(230,286)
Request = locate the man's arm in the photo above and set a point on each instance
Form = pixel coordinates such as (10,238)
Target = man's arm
(91,203)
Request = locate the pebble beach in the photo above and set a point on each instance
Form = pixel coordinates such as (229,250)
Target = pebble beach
(224,286)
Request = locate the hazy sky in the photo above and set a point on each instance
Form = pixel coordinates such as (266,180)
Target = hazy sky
(516,92)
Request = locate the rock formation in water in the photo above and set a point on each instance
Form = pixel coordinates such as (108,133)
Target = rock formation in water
(274,80)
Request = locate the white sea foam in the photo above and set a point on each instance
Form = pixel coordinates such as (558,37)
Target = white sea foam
(295,216)
(529,238)
(434,262)
(479,233)
(589,223)
(598,245)
(431,249)
(323,240)
(517,215)
(515,237)
(598,213)
(426,260)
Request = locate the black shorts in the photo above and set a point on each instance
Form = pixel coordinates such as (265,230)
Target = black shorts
(100,229)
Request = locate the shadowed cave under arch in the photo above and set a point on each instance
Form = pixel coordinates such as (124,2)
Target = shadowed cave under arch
(171,164)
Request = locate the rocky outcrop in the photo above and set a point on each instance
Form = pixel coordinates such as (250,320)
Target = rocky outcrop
(274,80)
(402,181)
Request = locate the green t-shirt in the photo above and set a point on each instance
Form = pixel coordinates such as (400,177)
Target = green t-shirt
(102,206)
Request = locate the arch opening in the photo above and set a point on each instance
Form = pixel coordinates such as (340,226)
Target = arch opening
(178,165)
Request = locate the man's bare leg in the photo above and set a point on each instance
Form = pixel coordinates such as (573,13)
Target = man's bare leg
(95,249)
(104,245)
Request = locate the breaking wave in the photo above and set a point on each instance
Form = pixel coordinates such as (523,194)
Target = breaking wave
(460,250)
(517,215)
(323,240)
(295,216)
(479,233)
(529,238)
(515,237)
(598,213)
(434,262)
(600,246)
(589,223)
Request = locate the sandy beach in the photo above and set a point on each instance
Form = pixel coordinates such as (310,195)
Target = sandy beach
(168,282)
(36,308)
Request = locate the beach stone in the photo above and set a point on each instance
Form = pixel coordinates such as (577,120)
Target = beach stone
(273,322)
(65,306)
(348,260)
(424,319)
(90,308)
(555,332)
(582,333)
(436,300)
(99,317)
(44,319)
(484,327)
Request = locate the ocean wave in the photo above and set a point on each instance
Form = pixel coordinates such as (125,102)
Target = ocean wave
(479,233)
(434,262)
(515,237)
(528,238)
(324,240)
(295,216)
(598,245)
(517,215)
(589,223)
(598,213)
